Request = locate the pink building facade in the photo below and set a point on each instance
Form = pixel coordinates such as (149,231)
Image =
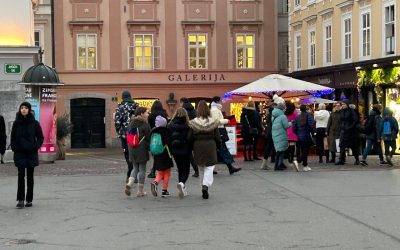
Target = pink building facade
(155,49)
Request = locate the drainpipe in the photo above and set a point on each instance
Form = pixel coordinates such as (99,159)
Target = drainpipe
(53,49)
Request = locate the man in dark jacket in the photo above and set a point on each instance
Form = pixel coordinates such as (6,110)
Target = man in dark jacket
(372,131)
(3,138)
(122,114)
(349,122)
(192,114)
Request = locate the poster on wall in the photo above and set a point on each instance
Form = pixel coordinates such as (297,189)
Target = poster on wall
(231,144)
(32,96)
(48,119)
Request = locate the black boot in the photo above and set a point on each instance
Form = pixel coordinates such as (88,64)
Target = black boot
(152,173)
(333,157)
(327,156)
(250,152)
(245,153)
(342,157)
(232,169)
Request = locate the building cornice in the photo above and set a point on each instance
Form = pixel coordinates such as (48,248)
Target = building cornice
(324,12)
(73,24)
(295,24)
(345,3)
(310,18)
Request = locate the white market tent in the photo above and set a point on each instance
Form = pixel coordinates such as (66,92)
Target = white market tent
(284,86)
(316,100)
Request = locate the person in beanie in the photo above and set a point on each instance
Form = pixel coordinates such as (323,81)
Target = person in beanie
(139,155)
(304,127)
(162,162)
(124,111)
(3,138)
(192,114)
(223,153)
(321,118)
(206,139)
(156,110)
(389,130)
(26,139)
(280,126)
(349,122)
(333,130)
(180,148)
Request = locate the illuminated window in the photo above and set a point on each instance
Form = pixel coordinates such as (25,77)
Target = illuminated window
(87,51)
(198,51)
(143,47)
(245,51)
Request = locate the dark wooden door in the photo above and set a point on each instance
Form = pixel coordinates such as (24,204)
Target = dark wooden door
(87,115)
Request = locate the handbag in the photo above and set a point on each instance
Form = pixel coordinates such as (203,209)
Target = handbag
(8,155)
(252,131)
(224,134)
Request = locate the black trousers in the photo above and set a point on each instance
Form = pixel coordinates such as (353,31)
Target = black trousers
(194,166)
(124,145)
(304,148)
(183,164)
(269,148)
(255,142)
(289,153)
(21,184)
(390,148)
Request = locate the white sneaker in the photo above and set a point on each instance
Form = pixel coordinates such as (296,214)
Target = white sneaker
(181,188)
(296,165)
(185,192)
(307,169)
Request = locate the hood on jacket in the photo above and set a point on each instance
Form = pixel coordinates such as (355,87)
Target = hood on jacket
(277,112)
(188,106)
(247,110)
(387,113)
(126,96)
(203,125)
(178,123)
(137,122)
(217,105)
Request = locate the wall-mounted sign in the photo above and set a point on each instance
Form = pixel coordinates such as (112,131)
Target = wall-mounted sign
(12,68)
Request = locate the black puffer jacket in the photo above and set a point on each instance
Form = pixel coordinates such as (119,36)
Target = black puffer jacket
(348,128)
(179,136)
(163,161)
(26,139)
(3,137)
(190,110)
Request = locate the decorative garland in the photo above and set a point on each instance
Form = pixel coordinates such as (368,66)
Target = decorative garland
(377,78)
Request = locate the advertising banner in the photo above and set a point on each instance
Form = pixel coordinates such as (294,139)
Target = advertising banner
(231,144)
(48,119)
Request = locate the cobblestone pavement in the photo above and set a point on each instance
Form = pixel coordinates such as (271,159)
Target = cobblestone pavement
(111,161)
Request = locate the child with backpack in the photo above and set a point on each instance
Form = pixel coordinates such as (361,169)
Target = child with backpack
(389,131)
(160,149)
(180,147)
(137,137)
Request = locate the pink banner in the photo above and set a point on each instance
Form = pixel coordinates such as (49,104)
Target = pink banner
(48,119)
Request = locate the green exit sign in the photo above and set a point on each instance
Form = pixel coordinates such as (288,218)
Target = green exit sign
(12,68)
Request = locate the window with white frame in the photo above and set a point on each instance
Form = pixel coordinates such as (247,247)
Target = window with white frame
(143,51)
(311,48)
(297,3)
(198,51)
(87,51)
(346,37)
(283,6)
(365,46)
(298,51)
(390,28)
(245,51)
(327,46)
(38,41)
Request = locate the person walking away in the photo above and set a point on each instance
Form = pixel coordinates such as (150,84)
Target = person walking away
(349,122)
(280,126)
(139,150)
(259,126)
(160,148)
(322,117)
(223,152)
(192,114)
(3,139)
(156,110)
(268,142)
(249,130)
(205,137)
(372,131)
(180,148)
(26,139)
(124,111)
(389,131)
(291,115)
(304,127)
(333,131)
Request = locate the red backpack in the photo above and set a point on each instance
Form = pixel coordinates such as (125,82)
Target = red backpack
(132,137)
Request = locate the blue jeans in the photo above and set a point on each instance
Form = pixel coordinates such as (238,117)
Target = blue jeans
(279,159)
(376,145)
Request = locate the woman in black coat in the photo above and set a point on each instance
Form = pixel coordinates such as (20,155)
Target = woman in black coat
(3,138)
(26,139)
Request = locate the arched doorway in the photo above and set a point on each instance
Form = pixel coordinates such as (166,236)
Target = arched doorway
(88,117)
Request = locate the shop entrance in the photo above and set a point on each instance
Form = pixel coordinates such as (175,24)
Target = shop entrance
(88,116)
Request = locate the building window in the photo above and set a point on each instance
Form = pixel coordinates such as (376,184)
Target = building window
(311,52)
(389,29)
(366,34)
(283,6)
(38,42)
(346,29)
(297,3)
(87,51)
(328,44)
(298,52)
(143,52)
(198,51)
(245,51)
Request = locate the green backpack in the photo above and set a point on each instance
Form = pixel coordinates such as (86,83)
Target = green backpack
(156,145)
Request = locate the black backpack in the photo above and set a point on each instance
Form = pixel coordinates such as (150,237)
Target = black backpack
(178,139)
